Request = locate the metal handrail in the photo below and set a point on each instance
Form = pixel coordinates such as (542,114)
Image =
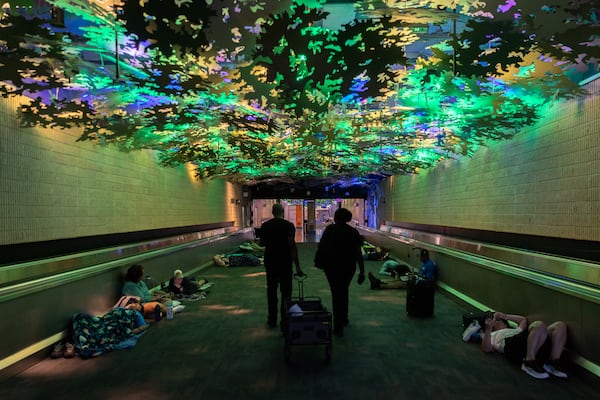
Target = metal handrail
(106,259)
(21,272)
(578,278)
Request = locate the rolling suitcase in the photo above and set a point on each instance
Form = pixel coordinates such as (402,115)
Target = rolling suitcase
(420,298)
(306,322)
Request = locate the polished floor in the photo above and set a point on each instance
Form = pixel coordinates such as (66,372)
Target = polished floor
(220,348)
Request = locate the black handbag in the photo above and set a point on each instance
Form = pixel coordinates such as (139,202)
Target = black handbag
(479,316)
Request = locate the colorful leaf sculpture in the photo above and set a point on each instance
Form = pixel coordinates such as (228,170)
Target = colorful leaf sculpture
(254,92)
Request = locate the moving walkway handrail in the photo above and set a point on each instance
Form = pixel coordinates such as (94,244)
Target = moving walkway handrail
(66,269)
(578,278)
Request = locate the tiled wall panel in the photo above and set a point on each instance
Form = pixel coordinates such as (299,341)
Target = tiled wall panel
(543,182)
(53,187)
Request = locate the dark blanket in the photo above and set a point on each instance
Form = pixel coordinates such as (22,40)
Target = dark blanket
(94,335)
(243,259)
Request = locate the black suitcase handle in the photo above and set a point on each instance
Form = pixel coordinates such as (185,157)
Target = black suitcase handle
(300,279)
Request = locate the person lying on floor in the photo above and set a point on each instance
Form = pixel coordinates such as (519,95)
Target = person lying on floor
(252,245)
(427,272)
(119,328)
(394,269)
(147,309)
(237,260)
(536,346)
(187,289)
(394,283)
(400,274)
(374,253)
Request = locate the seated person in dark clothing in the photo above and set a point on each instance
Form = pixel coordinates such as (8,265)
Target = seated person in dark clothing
(181,285)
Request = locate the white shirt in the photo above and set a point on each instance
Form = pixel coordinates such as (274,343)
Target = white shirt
(498,338)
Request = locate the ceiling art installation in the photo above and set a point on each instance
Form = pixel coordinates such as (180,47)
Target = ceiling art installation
(256,90)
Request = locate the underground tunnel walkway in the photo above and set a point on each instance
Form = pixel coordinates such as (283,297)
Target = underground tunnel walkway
(220,348)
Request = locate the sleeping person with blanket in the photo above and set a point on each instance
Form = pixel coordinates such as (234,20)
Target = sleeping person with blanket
(120,328)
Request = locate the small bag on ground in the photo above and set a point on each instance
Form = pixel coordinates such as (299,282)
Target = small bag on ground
(479,316)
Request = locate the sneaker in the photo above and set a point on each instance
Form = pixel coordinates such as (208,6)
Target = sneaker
(473,328)
(69,350)
(375,283)
(206,286)
(58,351)
(178,308)
(532,368)
(554,367)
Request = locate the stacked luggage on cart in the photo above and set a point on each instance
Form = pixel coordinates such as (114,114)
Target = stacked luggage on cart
(306,322)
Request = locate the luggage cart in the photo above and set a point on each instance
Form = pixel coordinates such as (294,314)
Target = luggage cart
(310,326)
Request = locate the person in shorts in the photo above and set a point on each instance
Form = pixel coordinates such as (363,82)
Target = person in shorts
(536,346)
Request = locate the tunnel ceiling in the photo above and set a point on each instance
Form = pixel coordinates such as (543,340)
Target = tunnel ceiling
(295,92)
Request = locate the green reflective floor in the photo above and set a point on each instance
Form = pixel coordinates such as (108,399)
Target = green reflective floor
(219,348)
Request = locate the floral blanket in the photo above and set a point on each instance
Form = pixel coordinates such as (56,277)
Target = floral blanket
(94,335)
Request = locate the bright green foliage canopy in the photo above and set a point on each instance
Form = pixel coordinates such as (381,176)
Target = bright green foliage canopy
(253,90)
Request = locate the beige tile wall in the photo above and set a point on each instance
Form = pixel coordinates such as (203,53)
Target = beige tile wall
(546,181)
(52,187)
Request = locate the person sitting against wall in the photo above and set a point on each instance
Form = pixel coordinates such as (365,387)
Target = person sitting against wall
(536,346)
(135,286)
(427,272)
